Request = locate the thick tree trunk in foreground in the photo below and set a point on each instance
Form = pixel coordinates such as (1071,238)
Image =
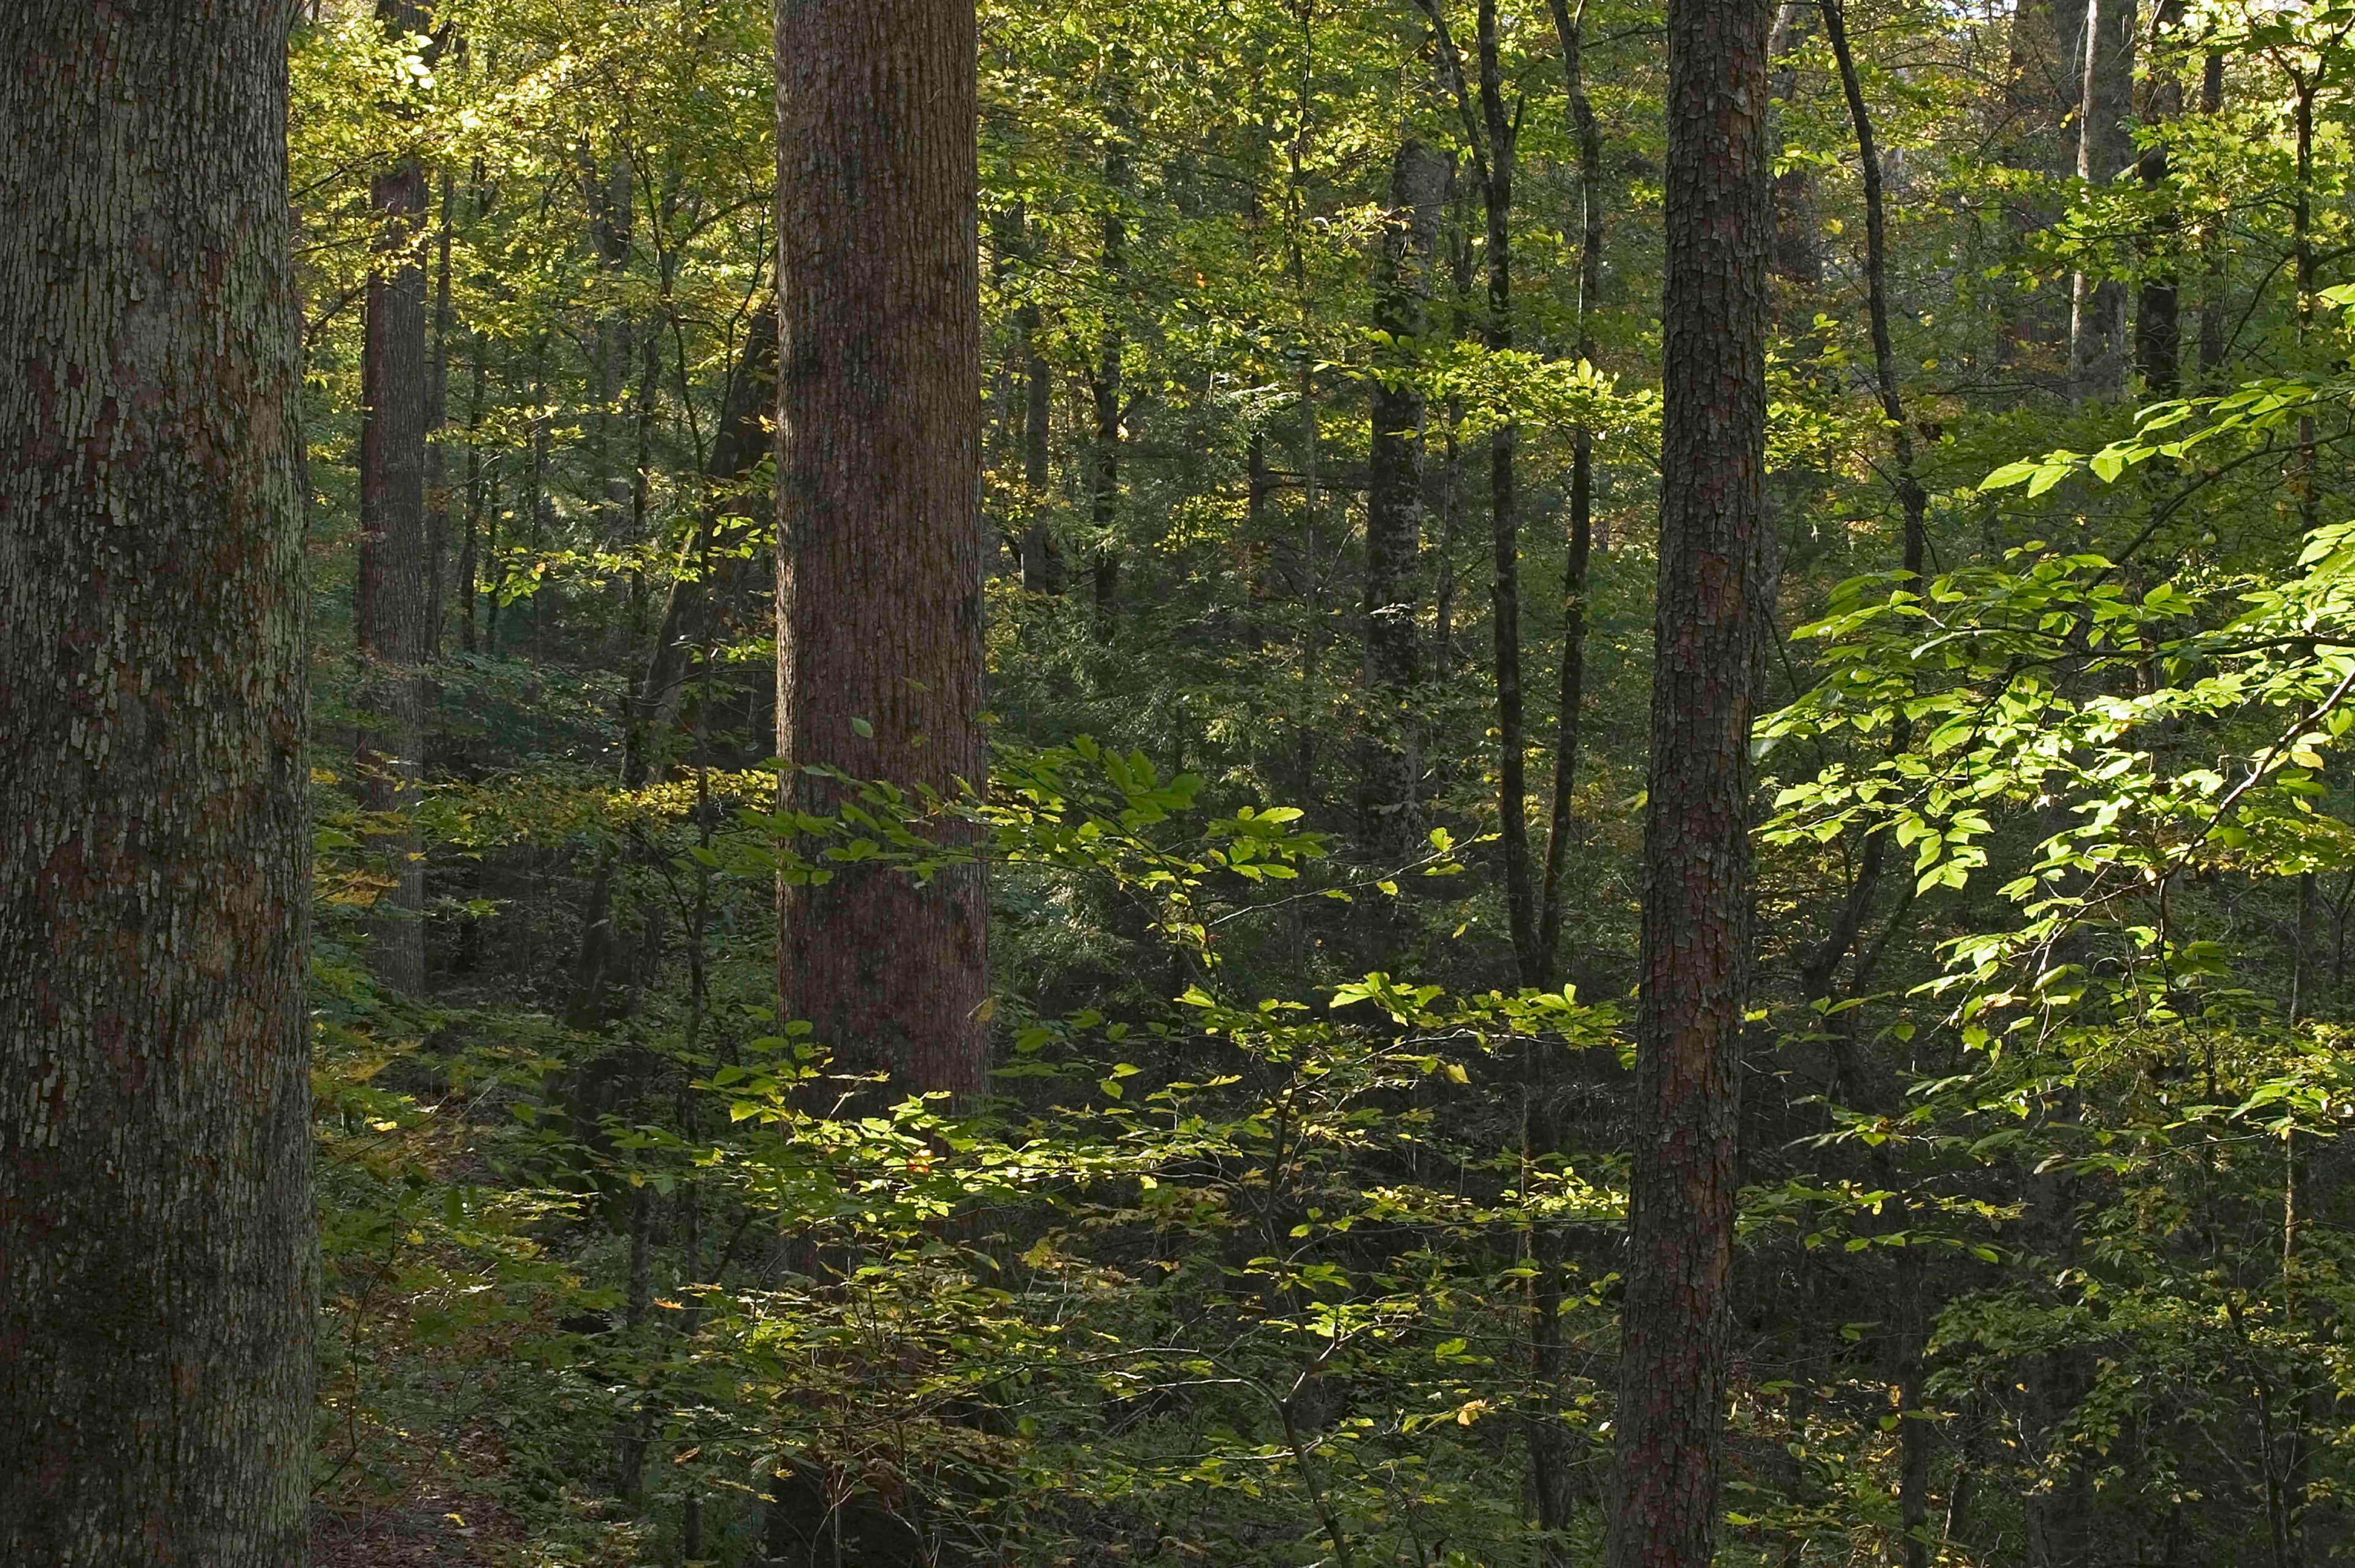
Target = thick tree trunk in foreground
(1694,959)
(156,1256)
(878,560)
(1393,634)
(394,609)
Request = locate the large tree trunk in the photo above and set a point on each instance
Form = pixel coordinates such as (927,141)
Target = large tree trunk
(394,599)
(1695,939)
(879,560)
(1393,634)
(157,1262)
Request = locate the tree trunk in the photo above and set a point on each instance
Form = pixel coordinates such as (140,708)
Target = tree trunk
(468,567)
(1504,521)
(437,417)
(2212,245)
(2045,89)
(1104,378)
(1570,714)
(1042,552)
(2097,307)
(1394,496)
(394,608)
(879,560)
(1799,260)
(1718,231)
(157,1258)
(2159,336)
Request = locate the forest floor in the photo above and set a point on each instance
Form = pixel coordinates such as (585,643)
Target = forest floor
(432,1521)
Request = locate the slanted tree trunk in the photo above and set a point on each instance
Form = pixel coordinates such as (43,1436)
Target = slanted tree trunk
(1394,496)
(157,1258)
(879,560)
(2097,306)
(1718,230)
(393,614)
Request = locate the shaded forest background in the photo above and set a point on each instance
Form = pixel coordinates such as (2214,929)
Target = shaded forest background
(1321,429)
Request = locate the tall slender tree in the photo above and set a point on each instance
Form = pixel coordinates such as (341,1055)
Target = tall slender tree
(878,557)
(1491,131)
(1106,391)
(1394,636)
(157,1259)
(2158,332)
(394,609)
(1570,28)
(1718,231)
(2097,306)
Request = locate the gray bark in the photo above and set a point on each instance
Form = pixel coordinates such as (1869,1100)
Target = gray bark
(2097,306)
(157,1263)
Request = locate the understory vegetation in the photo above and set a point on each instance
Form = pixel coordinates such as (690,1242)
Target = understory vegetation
(1321,421)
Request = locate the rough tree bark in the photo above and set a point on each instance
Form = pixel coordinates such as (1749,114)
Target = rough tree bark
(879,560)
(1419,176)
(1693,963)
(157,1262)
(394,611)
